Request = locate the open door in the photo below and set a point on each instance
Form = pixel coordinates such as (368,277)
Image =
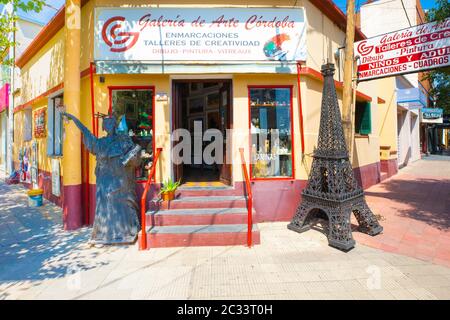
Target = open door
(225,123)
(177,123)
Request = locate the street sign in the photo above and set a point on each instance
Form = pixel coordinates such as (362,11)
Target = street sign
(415,49)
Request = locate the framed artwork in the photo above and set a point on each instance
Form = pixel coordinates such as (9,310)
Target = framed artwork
(213,120)
(39,124)
(196,105)
(212,101)
(195,87)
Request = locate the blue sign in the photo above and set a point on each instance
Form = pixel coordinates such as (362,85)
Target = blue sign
(432,113)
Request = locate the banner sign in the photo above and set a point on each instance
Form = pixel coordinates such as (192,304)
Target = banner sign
(56,178)
(34,165)
(4,97)
(200,34)
(423,47)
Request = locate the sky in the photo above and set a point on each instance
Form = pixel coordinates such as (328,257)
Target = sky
(426,4)
(48,11)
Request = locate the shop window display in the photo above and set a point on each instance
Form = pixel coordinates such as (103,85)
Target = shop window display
(271,132)
(134,110)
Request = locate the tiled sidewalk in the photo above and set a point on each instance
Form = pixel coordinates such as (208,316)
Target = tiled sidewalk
(38,260)
(415,205)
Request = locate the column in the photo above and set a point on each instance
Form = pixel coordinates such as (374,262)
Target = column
(71,162)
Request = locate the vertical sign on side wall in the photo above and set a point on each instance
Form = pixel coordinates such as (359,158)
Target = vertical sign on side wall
(34,164)
(415,49)
(56,178)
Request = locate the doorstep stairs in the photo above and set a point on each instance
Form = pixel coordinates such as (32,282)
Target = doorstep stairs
(200,217)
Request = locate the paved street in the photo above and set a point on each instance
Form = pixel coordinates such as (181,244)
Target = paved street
(38,260)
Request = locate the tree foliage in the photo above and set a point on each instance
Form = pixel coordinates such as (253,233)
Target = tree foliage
(440,78)
(7,25)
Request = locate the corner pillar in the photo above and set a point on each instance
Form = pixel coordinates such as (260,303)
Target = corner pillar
(71,162)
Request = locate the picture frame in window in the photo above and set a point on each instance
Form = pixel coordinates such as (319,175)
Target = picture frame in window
(213,120)
(210,85)
(196,105)
(195,87)
(212,101)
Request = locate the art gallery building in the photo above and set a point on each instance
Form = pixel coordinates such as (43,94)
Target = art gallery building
(169,65)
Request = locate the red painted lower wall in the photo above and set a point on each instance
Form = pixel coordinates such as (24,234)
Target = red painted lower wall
(389,166)
(276,200)
(73,207)
(368,175)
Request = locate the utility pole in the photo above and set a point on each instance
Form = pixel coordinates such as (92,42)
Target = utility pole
(10,133)
(347,94)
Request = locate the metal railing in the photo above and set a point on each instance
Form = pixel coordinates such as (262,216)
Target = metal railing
(249,199)
(151,175)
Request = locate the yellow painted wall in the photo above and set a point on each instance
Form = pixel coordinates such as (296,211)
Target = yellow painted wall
(45,70)
(324,38)
(387,119)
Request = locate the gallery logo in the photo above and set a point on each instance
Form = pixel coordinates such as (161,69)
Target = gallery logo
(363,49)
(273,47)
(114,36)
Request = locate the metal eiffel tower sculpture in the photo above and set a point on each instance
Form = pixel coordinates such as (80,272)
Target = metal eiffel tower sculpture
(332,188)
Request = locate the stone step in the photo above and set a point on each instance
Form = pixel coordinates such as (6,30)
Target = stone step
(208,191)
(203,216)
(205,202)
(200,235)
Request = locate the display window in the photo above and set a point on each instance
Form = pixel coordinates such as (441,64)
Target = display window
(134,110)
(271,130)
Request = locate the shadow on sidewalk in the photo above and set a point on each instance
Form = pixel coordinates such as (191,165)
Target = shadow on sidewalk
(34,246)
(425,200)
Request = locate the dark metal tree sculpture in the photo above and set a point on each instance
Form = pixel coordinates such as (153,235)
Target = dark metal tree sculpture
(332,187)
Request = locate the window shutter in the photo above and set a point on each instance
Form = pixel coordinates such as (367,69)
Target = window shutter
(366,119)
(50,115)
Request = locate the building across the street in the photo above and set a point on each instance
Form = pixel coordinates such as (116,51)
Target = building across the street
(383,16)
(166,65)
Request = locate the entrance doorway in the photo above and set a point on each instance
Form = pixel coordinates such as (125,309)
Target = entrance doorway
(203,104)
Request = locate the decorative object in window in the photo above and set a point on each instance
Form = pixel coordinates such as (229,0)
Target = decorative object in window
(196,105)
(212,101)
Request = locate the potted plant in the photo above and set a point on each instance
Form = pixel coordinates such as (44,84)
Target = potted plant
(168,189)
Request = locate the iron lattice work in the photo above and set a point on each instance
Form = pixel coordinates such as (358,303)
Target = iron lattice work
(332,187)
